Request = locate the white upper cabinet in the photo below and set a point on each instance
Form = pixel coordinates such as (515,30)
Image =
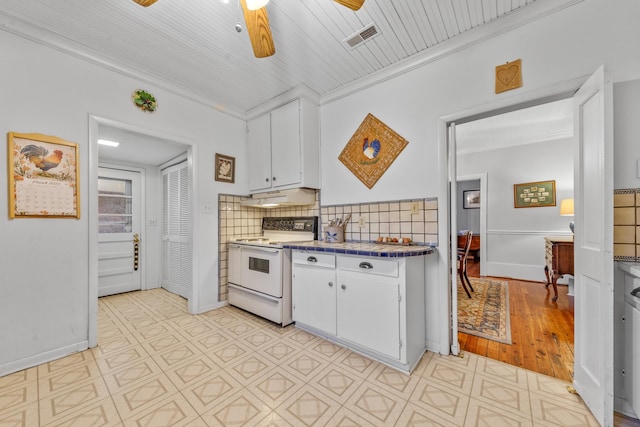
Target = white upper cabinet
(283,148)
(259,147)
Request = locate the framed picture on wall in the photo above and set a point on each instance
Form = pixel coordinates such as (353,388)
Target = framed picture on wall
(534,194)
(471,199)
(43,176)
(225,168)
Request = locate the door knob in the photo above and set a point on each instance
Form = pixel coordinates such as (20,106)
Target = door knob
(136,238)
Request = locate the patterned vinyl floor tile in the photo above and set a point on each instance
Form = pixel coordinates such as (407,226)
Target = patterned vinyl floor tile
(157,365)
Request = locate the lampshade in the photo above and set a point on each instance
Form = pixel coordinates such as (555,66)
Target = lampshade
(256,4)
(566,207)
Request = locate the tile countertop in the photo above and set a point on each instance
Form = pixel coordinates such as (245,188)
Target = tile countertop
(362,248)
(632,268)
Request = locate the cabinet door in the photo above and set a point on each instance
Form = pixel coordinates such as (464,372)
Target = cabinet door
(632,356)
(314,297)
(259,153)
(286,166)
(369,311)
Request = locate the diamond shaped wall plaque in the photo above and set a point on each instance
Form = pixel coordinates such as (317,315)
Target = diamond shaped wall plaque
(371,150)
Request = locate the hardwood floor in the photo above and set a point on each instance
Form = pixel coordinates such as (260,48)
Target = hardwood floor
(541,330)
(541,333)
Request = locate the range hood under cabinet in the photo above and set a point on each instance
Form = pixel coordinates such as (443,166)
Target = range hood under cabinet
(272,199)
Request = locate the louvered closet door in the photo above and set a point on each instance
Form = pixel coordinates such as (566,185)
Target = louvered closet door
(176,230)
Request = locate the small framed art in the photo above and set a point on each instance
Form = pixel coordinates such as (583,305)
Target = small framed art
(534,194)
(471,199)
(225,168)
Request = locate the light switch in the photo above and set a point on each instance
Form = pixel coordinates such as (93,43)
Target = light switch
(414,208)
(638,169)
(362,221)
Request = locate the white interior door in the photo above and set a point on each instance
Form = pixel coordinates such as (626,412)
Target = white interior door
(118,225)
(593,244)
(176,230)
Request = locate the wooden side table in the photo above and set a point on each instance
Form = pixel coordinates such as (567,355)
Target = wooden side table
(558,260)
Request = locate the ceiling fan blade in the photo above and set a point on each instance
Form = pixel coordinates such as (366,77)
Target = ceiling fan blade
(257,22)
(351,4)
(145,3)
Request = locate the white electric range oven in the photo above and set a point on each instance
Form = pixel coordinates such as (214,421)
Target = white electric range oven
(259,269)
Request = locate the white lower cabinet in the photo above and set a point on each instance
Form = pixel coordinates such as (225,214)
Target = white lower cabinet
(314,291)
(373,306)
(369,311)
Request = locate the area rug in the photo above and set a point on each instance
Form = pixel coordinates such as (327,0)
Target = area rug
(486,313)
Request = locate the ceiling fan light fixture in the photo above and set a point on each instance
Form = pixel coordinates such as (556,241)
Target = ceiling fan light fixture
(256,4)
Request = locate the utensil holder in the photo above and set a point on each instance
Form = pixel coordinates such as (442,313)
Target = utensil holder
(334,234)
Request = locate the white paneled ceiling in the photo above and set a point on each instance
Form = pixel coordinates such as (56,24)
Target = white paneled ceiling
(137,148)
(545,122)
(192,46)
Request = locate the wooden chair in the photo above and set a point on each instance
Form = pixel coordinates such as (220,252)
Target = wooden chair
(463,254)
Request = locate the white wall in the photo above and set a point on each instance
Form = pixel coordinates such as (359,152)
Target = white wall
(44,263)
(626,107)
(515,244)
(565,46)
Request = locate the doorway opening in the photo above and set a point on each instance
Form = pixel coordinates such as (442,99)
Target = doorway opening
(523,326)
(142,155)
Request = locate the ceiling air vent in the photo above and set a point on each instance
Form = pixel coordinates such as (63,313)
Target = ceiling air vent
(359,37)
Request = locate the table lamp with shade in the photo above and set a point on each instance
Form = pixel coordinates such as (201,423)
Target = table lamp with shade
(566,209)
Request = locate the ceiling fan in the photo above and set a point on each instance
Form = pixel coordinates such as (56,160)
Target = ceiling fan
(257,22)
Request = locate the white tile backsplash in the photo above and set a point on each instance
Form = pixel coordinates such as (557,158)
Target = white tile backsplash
(389,218)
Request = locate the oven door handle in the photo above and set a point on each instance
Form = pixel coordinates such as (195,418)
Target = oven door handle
(251,291)
(273,251)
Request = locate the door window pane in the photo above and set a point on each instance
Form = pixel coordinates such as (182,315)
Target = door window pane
(114,205)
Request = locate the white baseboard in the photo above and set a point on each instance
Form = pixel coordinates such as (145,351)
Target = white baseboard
(39,359)
(623,407)
(209,307)
(515,271)
(435,347)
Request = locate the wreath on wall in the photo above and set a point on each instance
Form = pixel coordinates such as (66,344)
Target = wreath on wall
(144,100)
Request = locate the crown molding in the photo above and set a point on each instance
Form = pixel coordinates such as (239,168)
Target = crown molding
(48,39)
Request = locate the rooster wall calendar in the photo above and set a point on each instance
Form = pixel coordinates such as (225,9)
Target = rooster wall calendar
(371,150)
(43,176)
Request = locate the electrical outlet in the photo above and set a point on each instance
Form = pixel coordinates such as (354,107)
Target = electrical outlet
(152,222)
(414,208)
(207,208)
(362,221)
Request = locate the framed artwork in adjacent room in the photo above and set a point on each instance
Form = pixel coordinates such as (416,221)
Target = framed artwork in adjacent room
(225,168)
(534,194)
(471,199)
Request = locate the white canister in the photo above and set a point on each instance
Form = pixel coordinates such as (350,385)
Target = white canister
(334,235)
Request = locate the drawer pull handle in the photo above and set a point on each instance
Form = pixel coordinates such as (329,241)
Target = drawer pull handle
(331,284)
(312,259)
(366,265)
(635,292)
(343,286)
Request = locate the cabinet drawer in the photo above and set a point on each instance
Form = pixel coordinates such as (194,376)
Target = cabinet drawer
(314,258)
(369,265)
